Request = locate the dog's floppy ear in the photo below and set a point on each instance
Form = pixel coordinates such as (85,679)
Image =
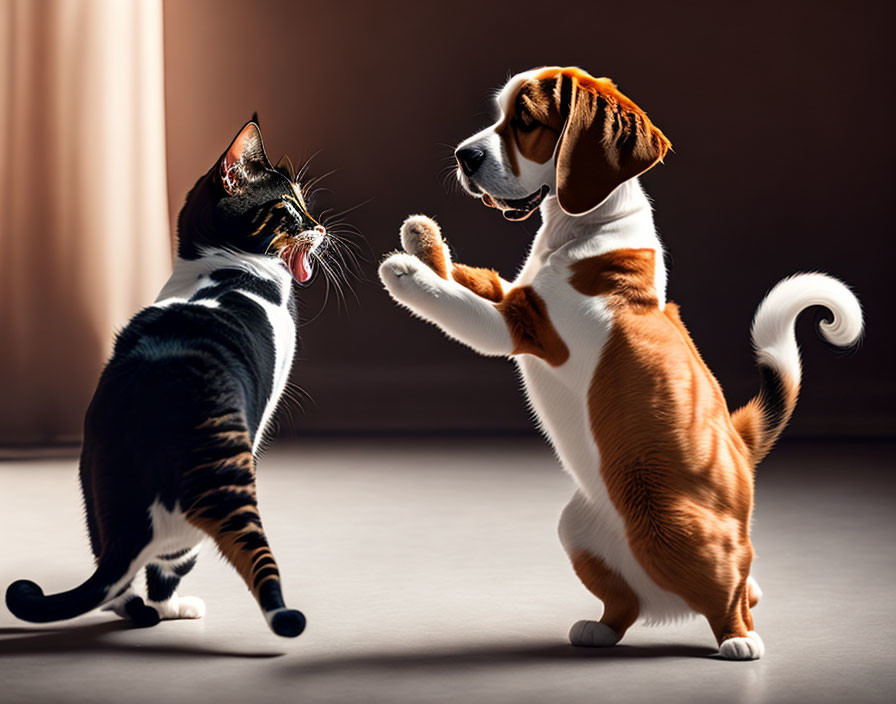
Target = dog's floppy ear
(607,139)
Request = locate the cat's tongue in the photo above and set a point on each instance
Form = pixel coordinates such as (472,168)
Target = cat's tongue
(299,263)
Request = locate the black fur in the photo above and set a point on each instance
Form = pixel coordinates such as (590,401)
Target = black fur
(177,410)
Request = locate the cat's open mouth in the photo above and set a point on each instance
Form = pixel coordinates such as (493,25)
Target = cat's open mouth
(520,208)
(297,255)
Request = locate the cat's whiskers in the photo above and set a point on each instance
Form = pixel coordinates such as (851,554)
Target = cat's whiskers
(304,167)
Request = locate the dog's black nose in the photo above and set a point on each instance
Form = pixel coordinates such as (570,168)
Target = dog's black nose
(469,159)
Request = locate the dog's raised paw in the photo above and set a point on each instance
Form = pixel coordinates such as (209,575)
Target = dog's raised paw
(419,232)
(397,266)
(592,634)
(421,237)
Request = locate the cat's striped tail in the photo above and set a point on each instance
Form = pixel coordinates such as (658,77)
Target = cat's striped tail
(762,420)
(27,601)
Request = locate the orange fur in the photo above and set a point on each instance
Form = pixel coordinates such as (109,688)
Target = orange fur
(673,463)
(621,605)
(530,326)
(483,282)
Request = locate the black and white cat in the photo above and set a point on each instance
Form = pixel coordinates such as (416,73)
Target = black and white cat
(172,433)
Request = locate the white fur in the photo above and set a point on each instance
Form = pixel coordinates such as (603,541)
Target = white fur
(191,275)
(171,533)
(592,634)
(749,647)
(459,312)
(558,396)
(191,607)
(755,590)
(773,325)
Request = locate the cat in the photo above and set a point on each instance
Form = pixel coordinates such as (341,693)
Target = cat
(173,431)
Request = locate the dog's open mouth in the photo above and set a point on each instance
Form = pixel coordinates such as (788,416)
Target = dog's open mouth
(518,209)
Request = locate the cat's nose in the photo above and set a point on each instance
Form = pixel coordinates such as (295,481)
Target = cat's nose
(469,159)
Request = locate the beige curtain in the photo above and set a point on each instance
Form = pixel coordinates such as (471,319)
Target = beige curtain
(84,234)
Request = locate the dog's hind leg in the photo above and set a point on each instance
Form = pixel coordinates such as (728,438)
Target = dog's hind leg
(621,604)
(733,629)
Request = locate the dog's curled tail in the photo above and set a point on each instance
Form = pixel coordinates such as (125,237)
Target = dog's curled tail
(761,421)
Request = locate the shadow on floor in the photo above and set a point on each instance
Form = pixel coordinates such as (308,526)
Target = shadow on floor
(94,638)
(491,655)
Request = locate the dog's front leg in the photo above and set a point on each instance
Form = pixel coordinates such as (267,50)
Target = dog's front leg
(422,237)
(457,310)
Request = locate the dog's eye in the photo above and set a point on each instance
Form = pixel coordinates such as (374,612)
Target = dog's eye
(525,121)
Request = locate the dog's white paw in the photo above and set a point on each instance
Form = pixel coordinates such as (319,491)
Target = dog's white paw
(749,647)
(398,266)
(409,280)
(177,607)
(592,634)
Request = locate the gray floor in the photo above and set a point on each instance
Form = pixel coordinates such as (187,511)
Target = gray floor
(431,572)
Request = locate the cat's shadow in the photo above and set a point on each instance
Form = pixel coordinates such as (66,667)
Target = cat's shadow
(93,638)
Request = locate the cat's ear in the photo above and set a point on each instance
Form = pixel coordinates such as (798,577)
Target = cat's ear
(284,166)
(244,161)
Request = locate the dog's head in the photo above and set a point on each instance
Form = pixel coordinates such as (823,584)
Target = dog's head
(561,132)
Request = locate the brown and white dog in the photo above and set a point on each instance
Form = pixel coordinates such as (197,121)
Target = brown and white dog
(659,527)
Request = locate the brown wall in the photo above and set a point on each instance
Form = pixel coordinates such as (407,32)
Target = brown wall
(781,116)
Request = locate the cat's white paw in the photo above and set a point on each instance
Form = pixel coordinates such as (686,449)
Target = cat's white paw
(592,634)
(190,607)
(180,607)
(749,647)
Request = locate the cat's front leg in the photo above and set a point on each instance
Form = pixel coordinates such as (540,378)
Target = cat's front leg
(457,310)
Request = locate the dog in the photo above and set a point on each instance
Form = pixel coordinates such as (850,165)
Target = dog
(659,526)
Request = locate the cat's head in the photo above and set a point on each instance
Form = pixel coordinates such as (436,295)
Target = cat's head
(245,204)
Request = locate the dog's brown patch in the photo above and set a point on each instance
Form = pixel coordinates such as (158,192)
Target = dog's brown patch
(483,282)
(673,464)
(625,273)
(530,326)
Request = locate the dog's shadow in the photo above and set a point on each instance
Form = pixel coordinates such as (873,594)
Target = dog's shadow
(490,655)
(100,637)
(95,638)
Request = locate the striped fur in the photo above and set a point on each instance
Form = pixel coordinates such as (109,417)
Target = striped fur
(173,431)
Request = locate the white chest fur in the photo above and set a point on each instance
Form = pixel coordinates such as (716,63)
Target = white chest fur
(559,395)
(190,276)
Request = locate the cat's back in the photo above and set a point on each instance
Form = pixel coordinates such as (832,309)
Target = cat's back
(216,341)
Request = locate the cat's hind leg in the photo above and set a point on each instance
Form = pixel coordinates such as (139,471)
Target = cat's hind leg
(162,578)
(241,539)
(222,502)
